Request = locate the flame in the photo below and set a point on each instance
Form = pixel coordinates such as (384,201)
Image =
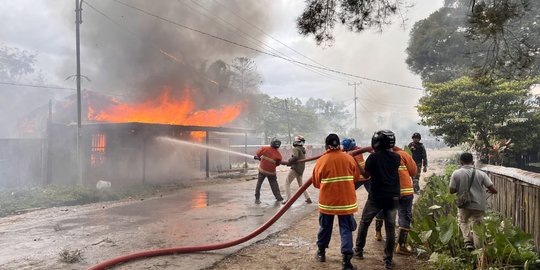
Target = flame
(166,109)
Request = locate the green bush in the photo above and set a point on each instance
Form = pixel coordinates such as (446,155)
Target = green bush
(435,234)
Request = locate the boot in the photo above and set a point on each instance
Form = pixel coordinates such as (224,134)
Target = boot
(359,253)
(416,186)
(321,255)
(401,247)
(347,265)
(378,228)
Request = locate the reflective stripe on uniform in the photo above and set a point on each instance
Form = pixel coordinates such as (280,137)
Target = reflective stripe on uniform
(402,168)
(338,207)
(268,159)
(407,190)
(337,179)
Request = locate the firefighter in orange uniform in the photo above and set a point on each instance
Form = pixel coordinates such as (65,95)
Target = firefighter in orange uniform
(270,158)
(407,170)
(335,174)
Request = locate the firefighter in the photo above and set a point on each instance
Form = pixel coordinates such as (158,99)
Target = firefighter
(297,170)
(334,175)
(407,169)
(349,144)
(270,158)
(383,167)
(420,157)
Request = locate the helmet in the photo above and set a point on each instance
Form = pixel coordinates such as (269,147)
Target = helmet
(416,135)
(276,143)
(348,144)
(383,139)
(299,140)
(332,141)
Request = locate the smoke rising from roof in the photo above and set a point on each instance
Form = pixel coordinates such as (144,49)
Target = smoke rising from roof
(136,55)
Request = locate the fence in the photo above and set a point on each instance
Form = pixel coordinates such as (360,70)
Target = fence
(518,198)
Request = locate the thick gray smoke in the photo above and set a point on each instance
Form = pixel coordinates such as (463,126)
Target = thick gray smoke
(136,55)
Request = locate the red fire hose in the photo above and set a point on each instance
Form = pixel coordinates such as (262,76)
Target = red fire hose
(180,250)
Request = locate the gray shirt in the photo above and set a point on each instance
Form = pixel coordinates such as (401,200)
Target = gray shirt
(460,181)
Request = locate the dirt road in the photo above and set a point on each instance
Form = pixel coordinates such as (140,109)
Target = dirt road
(295,248)
(200,215)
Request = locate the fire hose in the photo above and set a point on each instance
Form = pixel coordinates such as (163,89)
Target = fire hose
(191,249)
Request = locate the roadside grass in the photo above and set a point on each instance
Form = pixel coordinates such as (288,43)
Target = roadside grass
(20,200)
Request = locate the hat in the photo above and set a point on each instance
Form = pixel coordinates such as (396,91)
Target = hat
(332,140)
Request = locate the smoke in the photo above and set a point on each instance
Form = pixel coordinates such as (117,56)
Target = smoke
(137,55)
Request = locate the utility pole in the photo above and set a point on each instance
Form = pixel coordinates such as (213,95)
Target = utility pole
(288,121)
(355,98)
(78,21)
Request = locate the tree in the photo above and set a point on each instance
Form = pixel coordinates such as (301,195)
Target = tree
(245,77)
(15,63)
(475,112)
(498,39)
(320,16)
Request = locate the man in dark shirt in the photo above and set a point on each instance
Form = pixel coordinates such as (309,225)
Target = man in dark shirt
(382,166)
(420,157)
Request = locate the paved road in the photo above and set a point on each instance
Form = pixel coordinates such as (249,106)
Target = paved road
(190,217)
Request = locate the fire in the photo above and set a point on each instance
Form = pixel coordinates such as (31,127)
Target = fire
(166,109)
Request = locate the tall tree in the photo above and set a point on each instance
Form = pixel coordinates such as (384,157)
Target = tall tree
(15,63)
(245,77)
(497,38)
(475,112)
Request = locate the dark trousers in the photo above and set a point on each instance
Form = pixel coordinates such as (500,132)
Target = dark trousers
(416,179)
(272,179)
(347,225)
(404,212)
(389,215)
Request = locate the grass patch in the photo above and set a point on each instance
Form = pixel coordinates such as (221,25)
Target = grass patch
(20,200)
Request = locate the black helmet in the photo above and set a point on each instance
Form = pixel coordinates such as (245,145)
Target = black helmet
(332,141)
(383,139)
(416,135)
(276,143)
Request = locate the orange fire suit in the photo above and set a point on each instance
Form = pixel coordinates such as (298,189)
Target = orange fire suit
(334,174)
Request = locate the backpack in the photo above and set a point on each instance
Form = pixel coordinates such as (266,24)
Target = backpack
(464,198)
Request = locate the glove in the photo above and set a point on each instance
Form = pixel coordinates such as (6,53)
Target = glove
(425,169)
(256,157)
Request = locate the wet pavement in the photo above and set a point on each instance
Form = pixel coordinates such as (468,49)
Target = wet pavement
(201,215)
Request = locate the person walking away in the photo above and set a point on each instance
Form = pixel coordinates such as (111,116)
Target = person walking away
(335,174)
(349,144)
(407,169)
(382,166)
(297,169)
(420,157)
(270,158)
(468,179)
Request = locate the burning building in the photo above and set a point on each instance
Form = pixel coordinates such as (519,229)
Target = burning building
(120,140)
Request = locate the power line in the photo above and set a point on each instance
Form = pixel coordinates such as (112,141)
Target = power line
(38,86)
(257,41)
(263,52)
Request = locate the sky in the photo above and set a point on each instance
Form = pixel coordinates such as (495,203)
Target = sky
(119,58)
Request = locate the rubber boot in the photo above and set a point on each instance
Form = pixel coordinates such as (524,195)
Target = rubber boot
(347,265)
(401,247)
(416,186)
(321,255)
(378,228)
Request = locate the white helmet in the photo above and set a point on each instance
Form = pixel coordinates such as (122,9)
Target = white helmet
(299,140)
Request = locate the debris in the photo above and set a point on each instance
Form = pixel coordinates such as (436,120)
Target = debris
(68,256)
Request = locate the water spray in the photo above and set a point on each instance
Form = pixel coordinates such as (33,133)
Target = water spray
(182,142)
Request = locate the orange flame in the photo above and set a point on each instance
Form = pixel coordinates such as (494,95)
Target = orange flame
(166,109)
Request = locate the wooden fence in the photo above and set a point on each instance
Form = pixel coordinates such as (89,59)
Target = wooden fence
(518,198)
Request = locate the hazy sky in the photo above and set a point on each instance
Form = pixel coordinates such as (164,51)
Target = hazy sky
(46,27)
